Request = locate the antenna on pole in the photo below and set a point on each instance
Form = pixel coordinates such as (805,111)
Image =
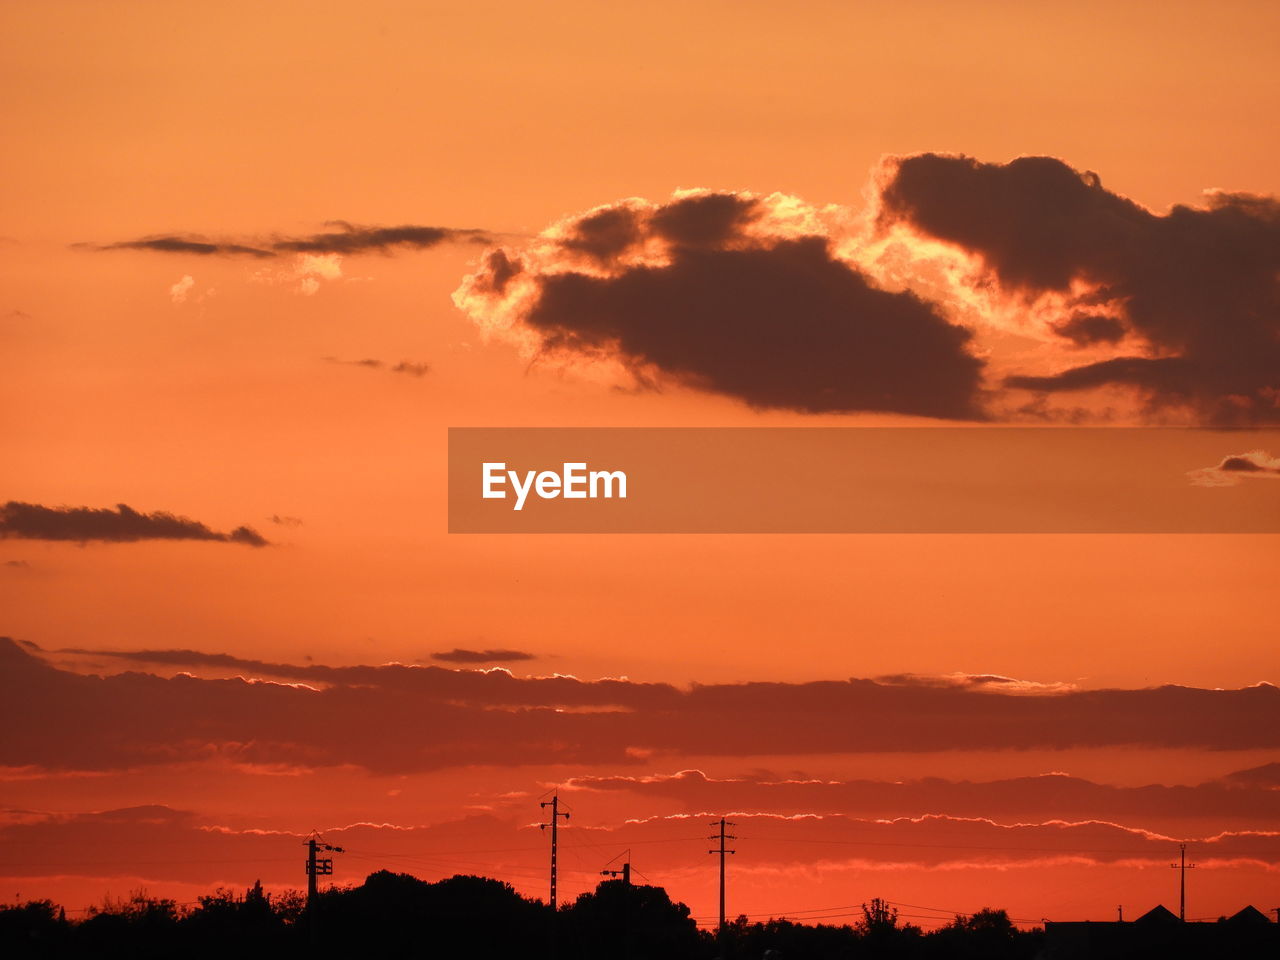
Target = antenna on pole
(1182,867)
(624,873)
(722,837)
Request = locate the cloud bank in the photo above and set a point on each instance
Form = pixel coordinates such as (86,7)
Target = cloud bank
(388,718)
(900,307)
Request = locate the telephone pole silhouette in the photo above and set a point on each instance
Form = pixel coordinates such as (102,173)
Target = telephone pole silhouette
(317,866)
(624,873)
(554,804)
(1182,867)
(722,837)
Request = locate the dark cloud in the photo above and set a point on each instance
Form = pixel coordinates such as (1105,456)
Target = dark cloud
(388,718)
(17,564)
(459,655)
(1085,329)
(1266,776)
(701,292)
(285,521)
(190,243)
(31,521)
(1230,470)
(1197,287)
(708,221)
(350,238)
(499,270)
(1245,464)
(409,368)
(344,238)
(602,235)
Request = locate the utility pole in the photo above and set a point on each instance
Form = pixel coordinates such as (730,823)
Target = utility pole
(722,837)
(628,946)
(317,866)
(1120,914)
(554,804)
(1182,867)
(624,873)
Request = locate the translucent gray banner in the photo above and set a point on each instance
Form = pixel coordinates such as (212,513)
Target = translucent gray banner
(863,480)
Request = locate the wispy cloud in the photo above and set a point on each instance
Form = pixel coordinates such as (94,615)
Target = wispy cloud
(498,655)
(341,237)
(409,368)
(32,521)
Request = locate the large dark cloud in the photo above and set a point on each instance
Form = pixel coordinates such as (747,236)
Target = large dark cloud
(31,521)
(1197,288)
(341,237)
(399,718)
(701,292)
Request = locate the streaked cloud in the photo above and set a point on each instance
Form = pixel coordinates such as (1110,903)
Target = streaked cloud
(341,237)
(493,655)
(123,524)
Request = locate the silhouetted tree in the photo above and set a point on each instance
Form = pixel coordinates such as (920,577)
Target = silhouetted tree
(37,928)
(882,936)
(632,922)
(223,923)
(139,927)
(394,914)
(986,935)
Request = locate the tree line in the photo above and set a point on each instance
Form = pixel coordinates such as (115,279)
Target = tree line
(398,915)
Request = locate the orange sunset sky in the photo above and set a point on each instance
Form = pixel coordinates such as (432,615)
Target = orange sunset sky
(256,259)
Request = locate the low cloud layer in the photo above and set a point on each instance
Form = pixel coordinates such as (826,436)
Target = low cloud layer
(387,718)
(32,521)
(167,844)
(341,237)
(1247,798)
(731,293)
